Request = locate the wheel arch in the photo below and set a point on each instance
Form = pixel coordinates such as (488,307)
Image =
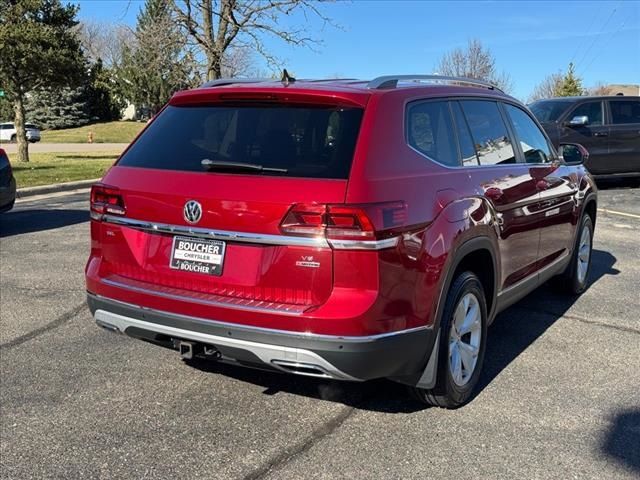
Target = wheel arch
(473,254)
(591,207)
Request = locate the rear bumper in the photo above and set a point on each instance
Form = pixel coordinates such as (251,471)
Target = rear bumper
(396,354)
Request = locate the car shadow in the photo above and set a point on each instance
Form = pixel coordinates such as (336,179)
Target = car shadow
(375,395)
(513,331)
(510,335)
(622,440)
(29,221)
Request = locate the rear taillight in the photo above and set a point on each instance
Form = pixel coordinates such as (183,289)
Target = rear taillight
(344,222)
(5,158)
(106,199)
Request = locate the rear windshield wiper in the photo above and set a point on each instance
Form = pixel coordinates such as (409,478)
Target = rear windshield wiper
(221,165)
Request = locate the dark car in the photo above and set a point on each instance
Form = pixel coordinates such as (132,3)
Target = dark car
(337,229)
(7,183)
(608,127)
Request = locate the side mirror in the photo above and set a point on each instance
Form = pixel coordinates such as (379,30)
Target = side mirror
(579,121)
(573,153)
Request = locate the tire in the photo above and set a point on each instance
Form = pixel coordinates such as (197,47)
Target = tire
(455,382)
(575,278)
(14,139)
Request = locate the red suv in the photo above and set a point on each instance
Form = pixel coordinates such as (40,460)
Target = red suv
(337,228)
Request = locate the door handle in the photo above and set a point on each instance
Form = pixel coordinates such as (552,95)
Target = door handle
(600,134)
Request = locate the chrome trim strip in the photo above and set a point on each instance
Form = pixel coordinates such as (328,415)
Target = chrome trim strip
(251,328)
(246,237)
(364,244)
(291,367)
(293,310)
(269,354)
(226,235)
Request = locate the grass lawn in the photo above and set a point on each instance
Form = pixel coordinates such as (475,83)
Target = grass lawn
(47,168)
(107,132)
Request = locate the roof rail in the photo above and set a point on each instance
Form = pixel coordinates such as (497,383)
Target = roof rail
(230,81)
(391,81)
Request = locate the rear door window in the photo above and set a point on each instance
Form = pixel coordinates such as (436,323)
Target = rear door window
(299,141)
(489,132)
(624,111)
(430,131)
(593,110)
(532,141)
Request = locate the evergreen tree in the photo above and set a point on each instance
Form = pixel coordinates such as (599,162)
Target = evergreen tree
(58,108)
(6,110)
(40,49)
(157,65)
(570,85)
(101,94)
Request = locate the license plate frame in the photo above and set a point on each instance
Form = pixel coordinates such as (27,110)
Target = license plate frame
(207,260)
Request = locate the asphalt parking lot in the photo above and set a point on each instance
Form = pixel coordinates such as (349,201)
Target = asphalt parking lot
(559,398)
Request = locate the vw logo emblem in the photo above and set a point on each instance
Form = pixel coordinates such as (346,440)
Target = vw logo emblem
(192,211)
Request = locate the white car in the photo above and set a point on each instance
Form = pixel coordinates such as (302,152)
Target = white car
(8,132)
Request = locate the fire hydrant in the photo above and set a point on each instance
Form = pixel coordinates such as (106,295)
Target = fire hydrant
(90,137)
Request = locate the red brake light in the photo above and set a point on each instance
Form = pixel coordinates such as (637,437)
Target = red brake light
(344,222)
(106,199)
(304,219)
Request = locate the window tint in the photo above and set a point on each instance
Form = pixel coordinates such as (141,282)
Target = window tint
(467,149)
(532,141)
(593,110)
(549,110)
(430,132)
(315,142)
(489,132)
(625,111)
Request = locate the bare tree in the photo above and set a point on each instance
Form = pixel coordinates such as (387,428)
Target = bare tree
(474,61)
(219,26)
(238,61)
(105,41)
(600,89)
(548,88)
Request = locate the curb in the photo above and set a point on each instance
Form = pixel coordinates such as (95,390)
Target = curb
(58,187)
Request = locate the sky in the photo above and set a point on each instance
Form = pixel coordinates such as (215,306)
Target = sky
(529,40)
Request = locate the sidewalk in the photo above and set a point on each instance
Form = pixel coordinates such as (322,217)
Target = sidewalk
(54,188)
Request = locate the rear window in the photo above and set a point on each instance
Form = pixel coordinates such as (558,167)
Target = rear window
(429,131)
(306,141)
(625,111)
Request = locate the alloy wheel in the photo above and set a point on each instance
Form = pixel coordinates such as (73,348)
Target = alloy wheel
(584,254)
(464,339)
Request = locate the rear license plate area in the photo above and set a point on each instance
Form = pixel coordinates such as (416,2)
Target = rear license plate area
(197,255)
